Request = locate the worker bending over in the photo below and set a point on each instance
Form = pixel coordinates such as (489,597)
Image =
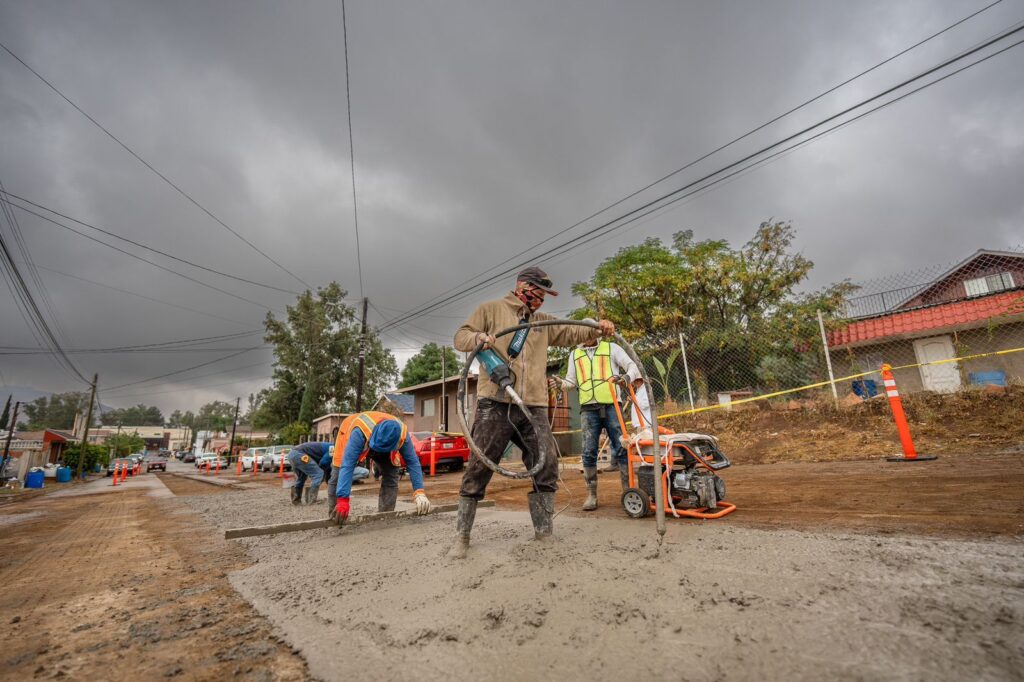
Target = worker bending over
(596,370)
(305,462)
(497,421)
(384,439)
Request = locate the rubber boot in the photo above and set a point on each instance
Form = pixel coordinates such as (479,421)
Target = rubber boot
(311,495)
(463,526)
(612,467)
(590,476)
(624,475)
(386,500)
(296,495)
(542,512)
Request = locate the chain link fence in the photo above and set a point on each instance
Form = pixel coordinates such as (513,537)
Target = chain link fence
(953,333)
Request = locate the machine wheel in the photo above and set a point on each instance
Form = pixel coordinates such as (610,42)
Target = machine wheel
(636,502)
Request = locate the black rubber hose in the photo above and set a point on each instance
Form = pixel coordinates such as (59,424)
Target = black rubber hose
(542,456)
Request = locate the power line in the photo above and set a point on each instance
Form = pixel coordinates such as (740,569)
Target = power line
(352,149)
(141,245)
(199,386)
(139,258)
(142,296)
(187,369)
(461,294)
(145,163)
(712,152)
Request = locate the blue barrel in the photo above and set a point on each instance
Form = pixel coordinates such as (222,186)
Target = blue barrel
(63,474)
(34,479)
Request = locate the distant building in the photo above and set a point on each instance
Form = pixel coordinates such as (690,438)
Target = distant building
(402,403)
(325,428)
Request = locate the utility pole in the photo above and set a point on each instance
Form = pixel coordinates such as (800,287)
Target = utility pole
(85,432)
(7,443)
(362,359)
(231,447)
(444,398)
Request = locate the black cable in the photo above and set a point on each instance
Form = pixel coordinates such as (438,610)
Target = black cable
(424,310)
(723,147)
(185,261)
(352,149)
(150,167)
(139,258)
(187,369)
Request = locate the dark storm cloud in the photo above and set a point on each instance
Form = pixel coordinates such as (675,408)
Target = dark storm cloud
(480,128)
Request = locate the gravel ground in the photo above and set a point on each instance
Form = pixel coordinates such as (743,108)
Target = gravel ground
(604,601)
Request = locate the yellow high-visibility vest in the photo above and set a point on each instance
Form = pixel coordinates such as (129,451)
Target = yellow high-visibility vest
(592,374)
(365,421)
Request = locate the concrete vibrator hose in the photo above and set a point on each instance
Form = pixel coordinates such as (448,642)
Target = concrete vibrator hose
(544,453)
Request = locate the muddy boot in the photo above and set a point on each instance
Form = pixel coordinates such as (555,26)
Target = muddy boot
(624,475)
(542,512)
(590,476)
(311,494)
(463,526)
(611,468)
(386,500)
(296,495)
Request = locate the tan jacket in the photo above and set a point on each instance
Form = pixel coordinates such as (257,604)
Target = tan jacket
(530,367)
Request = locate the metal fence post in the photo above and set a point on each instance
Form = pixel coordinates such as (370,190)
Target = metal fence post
(686,369)
(828,358)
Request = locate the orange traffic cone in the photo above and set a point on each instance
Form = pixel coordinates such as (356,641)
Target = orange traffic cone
(896,405)
(117,472)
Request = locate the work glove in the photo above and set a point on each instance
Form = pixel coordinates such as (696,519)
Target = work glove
(618,379)
(422,503)
(341,509)
(554,384)
(486,338)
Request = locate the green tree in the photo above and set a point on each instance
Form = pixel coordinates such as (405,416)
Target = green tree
(316,350)
(293,434)
(125,443)
(94,454)
(215,416)
(139,415)
(735,307)
(426,365)
(6,415)
(55,411)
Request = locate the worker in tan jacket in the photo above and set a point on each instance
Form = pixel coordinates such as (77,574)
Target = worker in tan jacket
(497,421)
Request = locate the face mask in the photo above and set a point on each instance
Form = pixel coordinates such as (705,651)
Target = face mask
(531,297)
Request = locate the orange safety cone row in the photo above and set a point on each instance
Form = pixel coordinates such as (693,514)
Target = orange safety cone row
(896,405)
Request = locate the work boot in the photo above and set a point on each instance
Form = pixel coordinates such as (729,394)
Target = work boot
(387,498)
(463,526)
(611,468)
(296,495)
(311,494)
(542,512)
(624,475)
(590,476)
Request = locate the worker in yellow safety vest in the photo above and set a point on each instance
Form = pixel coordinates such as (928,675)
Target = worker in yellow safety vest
(385,440)
(595,371)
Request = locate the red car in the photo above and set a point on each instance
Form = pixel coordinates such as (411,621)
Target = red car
(450,449)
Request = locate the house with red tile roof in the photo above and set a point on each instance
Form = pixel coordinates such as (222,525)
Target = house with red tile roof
(976,307)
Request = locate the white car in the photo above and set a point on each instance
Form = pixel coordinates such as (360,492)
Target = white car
(271,460)
(251,455)
(203,457)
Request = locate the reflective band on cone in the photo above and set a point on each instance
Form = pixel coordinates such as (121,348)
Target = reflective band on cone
(896,405)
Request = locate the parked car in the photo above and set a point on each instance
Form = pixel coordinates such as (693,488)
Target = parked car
(203,457)
(252,457)
(188,457)
(271,460)
(156,462)
(120,463)
(450,449)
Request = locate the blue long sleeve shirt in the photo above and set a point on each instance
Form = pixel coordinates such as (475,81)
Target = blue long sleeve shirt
(354,448)
(314,449)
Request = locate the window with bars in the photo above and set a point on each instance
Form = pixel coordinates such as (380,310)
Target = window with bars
(987,285)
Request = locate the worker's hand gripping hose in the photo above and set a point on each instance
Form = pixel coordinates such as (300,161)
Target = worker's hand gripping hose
(544,446)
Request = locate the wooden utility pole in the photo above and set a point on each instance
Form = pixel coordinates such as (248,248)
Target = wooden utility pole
(231,447)
(85,432)
(7,442)
(362,359)
(444,398)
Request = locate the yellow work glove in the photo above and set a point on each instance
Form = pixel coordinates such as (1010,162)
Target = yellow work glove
(419,498)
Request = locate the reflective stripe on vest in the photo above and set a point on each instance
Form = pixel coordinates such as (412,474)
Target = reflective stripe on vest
(593,380)
(365,422)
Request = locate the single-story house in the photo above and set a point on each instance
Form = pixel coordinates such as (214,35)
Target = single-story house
(976,307)
(398,402)
(325,428)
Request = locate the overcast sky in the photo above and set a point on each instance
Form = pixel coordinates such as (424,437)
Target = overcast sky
(480,128)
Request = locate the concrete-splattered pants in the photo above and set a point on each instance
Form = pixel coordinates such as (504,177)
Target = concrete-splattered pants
(595,419)
(495,425)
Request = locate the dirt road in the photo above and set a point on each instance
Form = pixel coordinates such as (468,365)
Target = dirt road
(127,586)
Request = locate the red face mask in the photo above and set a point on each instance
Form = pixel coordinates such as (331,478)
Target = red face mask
(531,296)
